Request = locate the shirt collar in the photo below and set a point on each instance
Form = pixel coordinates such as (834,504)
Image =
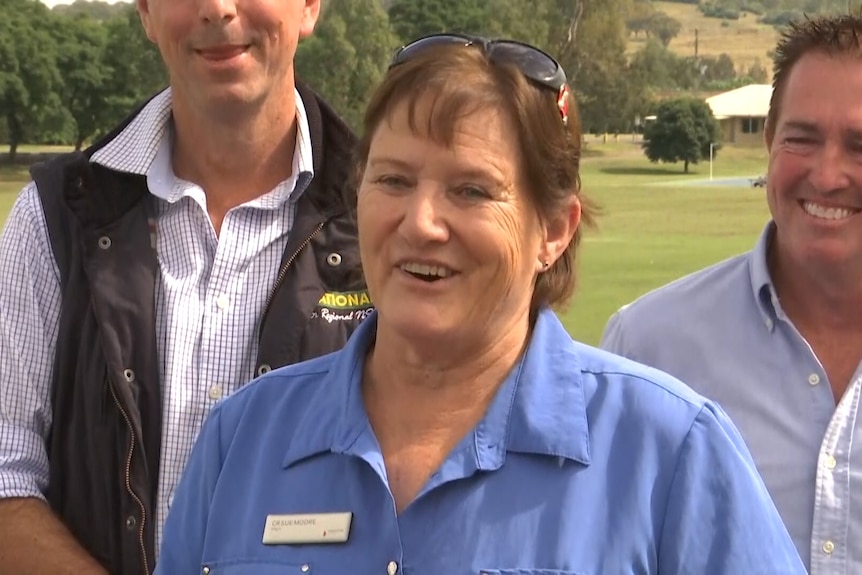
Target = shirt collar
(762,286)
(540,408)
(144,148)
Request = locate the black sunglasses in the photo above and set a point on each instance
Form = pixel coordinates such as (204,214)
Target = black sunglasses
(535,64)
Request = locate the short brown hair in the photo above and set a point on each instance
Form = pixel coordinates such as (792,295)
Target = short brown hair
(462,81)
(839,35)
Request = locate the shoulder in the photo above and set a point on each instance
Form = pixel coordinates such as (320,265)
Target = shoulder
(704,294)
(287,389)
(629,380)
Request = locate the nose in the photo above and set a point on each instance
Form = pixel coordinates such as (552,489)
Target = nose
(830,170)
(424,218)
(217,10)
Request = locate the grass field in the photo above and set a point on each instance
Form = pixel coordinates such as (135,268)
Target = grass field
(656,225)
(744,40)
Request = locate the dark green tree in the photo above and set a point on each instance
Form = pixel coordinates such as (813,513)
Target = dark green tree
(682,132)
(414,18)
(347,55)
(81,42)
(29,78)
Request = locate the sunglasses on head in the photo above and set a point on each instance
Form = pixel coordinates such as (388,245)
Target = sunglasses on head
(536,65)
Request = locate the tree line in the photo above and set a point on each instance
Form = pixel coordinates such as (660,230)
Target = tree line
(67,75)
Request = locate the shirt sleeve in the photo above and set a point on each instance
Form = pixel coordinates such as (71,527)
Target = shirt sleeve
(29,319)
(185,528)
(720,518)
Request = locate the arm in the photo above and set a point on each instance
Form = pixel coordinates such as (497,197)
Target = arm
(720,519)
(32,539)
(35,541)
(185,528)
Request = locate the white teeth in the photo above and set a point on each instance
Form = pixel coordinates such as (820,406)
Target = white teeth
(825,213)
(425,270)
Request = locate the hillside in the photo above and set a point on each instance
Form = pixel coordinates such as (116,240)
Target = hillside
(745,40)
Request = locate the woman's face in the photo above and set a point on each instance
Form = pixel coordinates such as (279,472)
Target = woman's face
(450,241)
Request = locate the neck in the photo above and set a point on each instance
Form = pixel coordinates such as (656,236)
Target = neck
(234,157)
(827,298)
(426,390)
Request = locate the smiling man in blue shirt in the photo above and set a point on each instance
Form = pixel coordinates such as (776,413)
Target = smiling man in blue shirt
(775,335)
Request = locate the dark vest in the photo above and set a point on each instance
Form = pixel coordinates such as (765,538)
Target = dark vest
(105,440)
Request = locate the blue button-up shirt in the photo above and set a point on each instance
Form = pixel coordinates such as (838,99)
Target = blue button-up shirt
(723,332)
(584,463)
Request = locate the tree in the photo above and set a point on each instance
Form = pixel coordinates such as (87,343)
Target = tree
(347,55)
(663,27)
(81,41)
(411,19)
(682,132)
(29,78)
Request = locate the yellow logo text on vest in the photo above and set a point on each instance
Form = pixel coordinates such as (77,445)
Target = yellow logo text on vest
(345,300)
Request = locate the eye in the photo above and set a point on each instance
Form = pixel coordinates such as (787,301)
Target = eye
(472,193)
(799,141)
(393,181)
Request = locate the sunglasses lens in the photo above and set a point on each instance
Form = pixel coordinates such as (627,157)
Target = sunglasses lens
(532,62)
(410,50)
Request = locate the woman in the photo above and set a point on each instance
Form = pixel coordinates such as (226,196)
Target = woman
(461,430)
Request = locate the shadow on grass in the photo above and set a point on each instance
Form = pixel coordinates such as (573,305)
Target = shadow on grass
(647,171)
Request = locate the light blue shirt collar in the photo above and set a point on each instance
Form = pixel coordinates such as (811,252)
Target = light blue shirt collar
(762,286)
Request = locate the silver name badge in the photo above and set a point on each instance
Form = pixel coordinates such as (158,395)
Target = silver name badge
(308,528)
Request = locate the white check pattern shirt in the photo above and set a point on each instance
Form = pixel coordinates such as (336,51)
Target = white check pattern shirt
(210,295)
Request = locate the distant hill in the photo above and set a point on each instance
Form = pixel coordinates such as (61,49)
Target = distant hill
(93,8)
(741,35)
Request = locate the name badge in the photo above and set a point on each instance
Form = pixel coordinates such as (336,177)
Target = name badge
(308,528)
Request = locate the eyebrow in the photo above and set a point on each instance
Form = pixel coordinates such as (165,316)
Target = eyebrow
(811,129)
(800,126)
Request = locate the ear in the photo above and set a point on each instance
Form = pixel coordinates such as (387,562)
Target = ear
(146,19)
(559,231)
(310,14)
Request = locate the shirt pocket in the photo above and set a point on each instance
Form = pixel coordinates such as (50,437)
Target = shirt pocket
(251,567)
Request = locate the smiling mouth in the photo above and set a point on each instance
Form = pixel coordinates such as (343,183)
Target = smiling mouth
(222,53)
(427,273)
(827,212)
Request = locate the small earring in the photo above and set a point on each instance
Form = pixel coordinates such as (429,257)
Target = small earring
(546,264)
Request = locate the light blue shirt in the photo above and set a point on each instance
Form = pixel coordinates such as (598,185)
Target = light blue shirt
(585,463)
(723,332)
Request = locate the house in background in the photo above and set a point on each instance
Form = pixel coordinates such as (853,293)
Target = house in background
(742,113)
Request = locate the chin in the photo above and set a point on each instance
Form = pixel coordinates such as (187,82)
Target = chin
(420,325)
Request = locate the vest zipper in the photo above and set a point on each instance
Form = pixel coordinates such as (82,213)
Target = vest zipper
(129,480)
(283,271)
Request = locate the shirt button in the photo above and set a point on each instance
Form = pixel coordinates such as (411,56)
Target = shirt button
(813,379)
(831,462)
(768,323)
(215,392)
(304,568)
(222,301)
(828,547)
(205,571)
(392,568)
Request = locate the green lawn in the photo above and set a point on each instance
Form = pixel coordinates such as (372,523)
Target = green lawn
(654,228)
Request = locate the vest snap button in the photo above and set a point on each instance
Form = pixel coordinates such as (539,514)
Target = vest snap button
(129,375)
(264,369)
(334,259)
(104,242)
(131,522)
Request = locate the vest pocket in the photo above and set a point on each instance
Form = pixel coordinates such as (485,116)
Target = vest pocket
(252,567)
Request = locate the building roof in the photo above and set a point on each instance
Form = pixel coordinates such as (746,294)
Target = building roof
(750,101)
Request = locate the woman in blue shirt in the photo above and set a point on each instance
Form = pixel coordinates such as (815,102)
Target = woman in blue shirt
(461,430)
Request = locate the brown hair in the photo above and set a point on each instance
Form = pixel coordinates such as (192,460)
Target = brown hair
(839,35)
(461,82)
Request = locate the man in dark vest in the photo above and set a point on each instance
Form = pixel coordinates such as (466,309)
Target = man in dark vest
(205,241)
